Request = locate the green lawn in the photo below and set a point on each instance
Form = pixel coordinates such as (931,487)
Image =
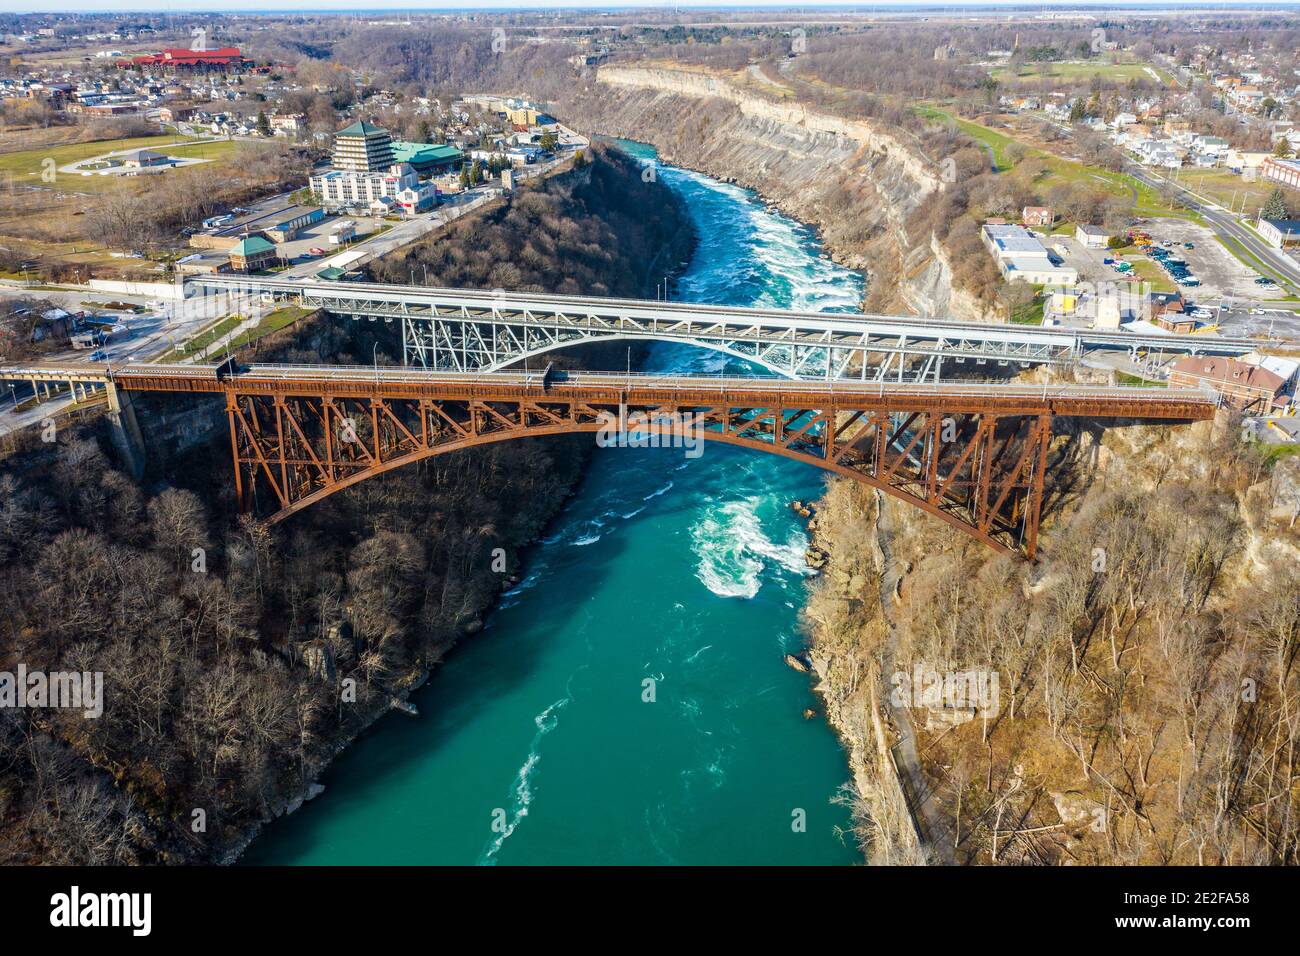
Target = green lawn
(28,164)
(218,149)
(1146,200)
(1123,378)
(1148,271)
(271,322)
(212,333)
(1275,453)
(1073,71)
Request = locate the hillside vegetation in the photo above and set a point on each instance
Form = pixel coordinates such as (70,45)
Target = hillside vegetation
(1147,663)
(237,660)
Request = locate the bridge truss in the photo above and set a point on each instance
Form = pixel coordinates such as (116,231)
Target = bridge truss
(975,460)
(466,330)
(973,455)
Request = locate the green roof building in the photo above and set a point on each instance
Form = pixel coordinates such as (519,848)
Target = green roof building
(426,158)
(363,147)
(252,253)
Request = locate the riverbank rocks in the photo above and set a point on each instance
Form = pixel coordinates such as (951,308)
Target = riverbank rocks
(313,791)
(800,662)
(816,558)
(405,706)
(801,509)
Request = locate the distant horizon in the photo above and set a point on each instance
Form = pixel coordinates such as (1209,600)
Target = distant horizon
(111,7)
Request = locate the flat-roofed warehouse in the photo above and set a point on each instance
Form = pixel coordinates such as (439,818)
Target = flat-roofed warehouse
(283,225)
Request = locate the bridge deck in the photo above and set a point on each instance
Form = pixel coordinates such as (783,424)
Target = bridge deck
(366,298)
(604,387)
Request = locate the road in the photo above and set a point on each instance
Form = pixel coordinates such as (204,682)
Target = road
(1227,226)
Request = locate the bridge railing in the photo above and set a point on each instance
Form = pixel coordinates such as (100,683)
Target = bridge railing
(696,381)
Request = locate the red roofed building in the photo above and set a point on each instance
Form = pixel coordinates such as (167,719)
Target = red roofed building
(225,60)
(1243,386)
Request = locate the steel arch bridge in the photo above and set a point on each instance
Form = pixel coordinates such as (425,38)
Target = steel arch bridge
(974,456)
(466,330)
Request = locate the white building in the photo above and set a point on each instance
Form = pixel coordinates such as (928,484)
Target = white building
(356,189)
(1091,237)
(1022,258)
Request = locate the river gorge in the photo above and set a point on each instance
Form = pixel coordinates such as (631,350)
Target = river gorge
(628,702)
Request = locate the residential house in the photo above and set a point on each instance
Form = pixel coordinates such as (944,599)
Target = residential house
(1037,216)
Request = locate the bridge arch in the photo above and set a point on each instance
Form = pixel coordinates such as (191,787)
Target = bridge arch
(990,494)
(497,437)
(716,347)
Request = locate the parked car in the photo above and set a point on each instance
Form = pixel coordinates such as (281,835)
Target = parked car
(316,251)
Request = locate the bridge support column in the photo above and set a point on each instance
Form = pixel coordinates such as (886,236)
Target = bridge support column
(125,431)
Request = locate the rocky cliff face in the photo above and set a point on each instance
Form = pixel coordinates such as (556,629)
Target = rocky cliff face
(857,182)
(1168,563)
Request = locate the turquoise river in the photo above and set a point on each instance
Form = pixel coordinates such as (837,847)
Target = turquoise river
(534,744)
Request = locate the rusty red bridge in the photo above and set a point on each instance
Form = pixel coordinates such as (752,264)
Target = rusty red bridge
(973,455)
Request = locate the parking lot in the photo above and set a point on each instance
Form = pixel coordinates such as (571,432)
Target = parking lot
(317,236)
(1220,273)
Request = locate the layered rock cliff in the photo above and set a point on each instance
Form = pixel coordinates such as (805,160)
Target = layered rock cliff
(858,182)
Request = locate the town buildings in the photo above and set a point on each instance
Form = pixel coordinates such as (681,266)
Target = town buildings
(364,148)
(1091,237)
(1248,387)
(1022,258)
(374,174)
(403,189)
(427,159)
(1284,171)
(1280,233)
(1037,216)
(251,254)
(225,60)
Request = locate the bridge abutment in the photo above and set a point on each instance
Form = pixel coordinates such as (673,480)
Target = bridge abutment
(124,430)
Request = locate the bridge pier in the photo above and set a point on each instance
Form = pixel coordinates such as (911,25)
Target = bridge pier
(124,430)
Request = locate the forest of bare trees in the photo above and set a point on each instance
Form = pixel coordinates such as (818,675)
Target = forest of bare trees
(238,659)
(548,237)
(1148,676)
